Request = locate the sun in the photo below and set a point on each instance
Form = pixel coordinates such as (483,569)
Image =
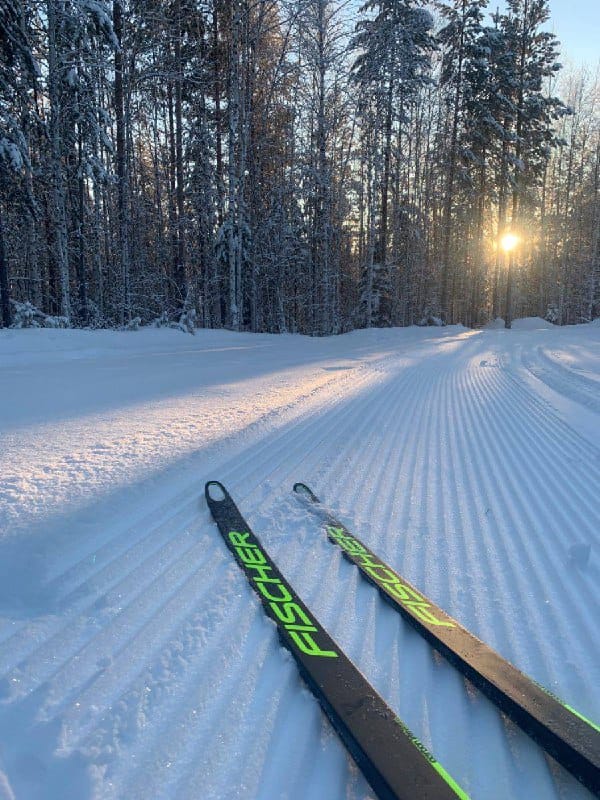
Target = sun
(509,241)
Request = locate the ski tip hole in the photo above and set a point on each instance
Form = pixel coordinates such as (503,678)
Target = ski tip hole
(215,491)
(303,490)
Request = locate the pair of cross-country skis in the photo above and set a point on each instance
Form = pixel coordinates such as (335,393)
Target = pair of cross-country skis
(392,759)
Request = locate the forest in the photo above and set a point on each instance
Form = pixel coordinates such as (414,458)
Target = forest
(310,166)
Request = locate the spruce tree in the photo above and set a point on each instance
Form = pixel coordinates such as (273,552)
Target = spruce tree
(532,126)
(392,65)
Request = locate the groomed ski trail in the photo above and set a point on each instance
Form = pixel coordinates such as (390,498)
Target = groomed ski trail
(156,674)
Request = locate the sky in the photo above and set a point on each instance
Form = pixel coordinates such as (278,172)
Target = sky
(577,25)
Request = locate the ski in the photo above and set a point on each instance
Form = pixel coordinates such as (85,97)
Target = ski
(392,759)
(568,736)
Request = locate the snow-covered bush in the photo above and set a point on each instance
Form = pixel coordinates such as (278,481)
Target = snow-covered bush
(26,315)
(162,321)
(133,325)
(429,319)
(186,322)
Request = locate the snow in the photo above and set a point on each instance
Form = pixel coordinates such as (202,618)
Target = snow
(526,324)
(135,661)
(13,156)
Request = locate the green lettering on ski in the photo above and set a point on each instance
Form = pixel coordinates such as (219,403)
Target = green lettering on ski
(384,577)
(292,617)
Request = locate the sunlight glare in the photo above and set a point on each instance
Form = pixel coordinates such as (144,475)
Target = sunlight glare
(508,242)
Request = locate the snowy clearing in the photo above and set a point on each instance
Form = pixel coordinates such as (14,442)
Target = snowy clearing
(135,661)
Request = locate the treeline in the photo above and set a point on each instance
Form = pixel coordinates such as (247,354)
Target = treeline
(293,165)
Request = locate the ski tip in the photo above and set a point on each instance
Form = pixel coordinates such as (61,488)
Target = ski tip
(215,492)
(304,491)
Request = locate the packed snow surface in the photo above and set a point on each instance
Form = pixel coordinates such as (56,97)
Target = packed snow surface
(135,660)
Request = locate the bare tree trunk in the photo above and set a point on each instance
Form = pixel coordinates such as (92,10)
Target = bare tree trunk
(381,254)
(121,168)
(323,188)
(478,265)
(542,292)
(4,284)
(220,182)
(83,311)
(57,211)
(180,271)
(447,276)
(595,255)
(233,243)
(369,283)
(175,289)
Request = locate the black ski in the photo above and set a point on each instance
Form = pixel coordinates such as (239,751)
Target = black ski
(563,732)
(395,763)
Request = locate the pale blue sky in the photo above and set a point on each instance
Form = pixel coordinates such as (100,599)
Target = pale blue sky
(577,25)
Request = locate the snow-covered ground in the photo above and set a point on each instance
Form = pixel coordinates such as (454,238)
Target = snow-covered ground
(135,661)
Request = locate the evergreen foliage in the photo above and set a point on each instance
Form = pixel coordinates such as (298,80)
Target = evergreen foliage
(279,166)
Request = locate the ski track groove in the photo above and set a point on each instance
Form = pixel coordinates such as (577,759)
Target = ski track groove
(561,379)
(516,509)
(285,449)
(117,549)
(175,605)
(478,433)
(58,642)
(291,713)
(340,478)
(378,495)
(415,566)
(549,489)
(488,554)
(242,707)
(464,569)
(482,554)
(569,442)
(128,587)
(381,486)
(553,492)
(171,519)
(573,444)
(220,662)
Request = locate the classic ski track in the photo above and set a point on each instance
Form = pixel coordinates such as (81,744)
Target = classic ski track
(317,587)
(560,378)
(572,371)
(487,440)
(251,459)
(524,521)
(115,552)
(368,419)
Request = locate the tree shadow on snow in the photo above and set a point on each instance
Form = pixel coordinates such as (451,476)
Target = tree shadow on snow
(23,592)
(30,764)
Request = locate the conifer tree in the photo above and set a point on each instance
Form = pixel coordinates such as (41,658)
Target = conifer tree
(393,56)
(18,72)
(535,113)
